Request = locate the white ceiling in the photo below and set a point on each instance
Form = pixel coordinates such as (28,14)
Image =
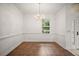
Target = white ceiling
(45,8)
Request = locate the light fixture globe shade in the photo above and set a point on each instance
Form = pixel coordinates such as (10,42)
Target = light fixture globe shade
(39,17)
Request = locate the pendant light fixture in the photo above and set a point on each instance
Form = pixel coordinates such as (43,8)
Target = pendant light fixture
(39,16)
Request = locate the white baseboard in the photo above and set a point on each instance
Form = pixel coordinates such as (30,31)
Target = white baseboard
(39,40)
(74,52)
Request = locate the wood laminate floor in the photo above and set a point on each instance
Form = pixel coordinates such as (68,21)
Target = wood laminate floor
(39,49)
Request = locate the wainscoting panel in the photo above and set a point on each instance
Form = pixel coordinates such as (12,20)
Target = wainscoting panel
(9,42)
(39,37)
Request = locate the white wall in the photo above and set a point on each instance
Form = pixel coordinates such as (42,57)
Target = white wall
(10,28)
(33,28)
(31,25)
(60,19)
(68,27)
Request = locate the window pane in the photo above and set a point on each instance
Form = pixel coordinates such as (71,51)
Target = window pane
(45,26)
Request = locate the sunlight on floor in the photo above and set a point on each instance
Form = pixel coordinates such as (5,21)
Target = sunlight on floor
(45,50)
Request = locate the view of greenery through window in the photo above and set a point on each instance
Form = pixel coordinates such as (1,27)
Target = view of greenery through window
(45,26)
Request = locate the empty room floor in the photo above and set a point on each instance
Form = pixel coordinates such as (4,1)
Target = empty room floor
(39,49)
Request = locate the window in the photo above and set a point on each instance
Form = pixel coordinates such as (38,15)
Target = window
(45,26)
